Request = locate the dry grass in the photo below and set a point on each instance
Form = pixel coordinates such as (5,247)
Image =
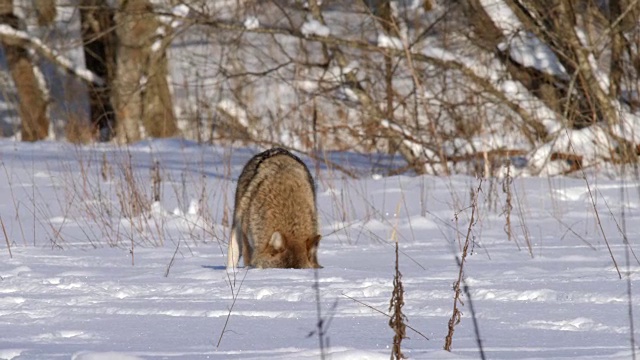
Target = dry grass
(6,238)
(457,285)
(101,190)
(397,319)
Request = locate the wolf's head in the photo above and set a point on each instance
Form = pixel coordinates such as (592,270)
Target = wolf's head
(281,252)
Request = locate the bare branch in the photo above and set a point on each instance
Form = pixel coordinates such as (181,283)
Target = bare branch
(12,36)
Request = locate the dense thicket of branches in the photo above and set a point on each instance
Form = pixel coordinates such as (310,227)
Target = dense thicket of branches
(469,86)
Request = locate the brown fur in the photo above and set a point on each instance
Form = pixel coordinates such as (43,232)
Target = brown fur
(275,223)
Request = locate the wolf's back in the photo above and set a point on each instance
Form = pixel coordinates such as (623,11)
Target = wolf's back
(253,166)
(260,164)
(275,195)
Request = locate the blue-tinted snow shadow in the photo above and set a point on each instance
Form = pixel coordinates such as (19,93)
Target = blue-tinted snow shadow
(217,162)
(358,164)
(214,267)
(181,156)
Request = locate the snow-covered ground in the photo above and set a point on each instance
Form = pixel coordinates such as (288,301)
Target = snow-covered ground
(91,277)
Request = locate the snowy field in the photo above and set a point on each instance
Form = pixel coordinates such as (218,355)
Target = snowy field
(98,270)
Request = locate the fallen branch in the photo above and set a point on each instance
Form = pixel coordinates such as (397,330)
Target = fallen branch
(11,36)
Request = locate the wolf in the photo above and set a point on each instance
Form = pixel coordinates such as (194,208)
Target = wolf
(275,220)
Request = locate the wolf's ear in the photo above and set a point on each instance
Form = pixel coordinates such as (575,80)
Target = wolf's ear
(313,242)
(276,241)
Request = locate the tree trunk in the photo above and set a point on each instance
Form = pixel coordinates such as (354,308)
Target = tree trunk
(99,48)
(32,106)
(142,94)
(46,11)
(159,119)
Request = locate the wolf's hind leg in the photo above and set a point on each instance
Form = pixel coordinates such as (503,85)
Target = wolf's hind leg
(247,251)
(235,247)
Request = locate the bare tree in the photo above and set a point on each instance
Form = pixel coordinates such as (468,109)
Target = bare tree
(32,107)
(142,96)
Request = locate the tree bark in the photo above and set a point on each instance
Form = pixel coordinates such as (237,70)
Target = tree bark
(159,119)
(46,11)
(32,107)
(99,48)
(142,94)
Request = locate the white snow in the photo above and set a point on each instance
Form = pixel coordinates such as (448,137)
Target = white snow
(180,10)
(337,74)
(235,111)
(629,127)
(251,23)
(87,282)
(524,47)
(592,143)
(601,77)
(391,42)
(314,27)
(305,4)
(176,19)
(156,45)
(143,81)
(513,91)
(502,16)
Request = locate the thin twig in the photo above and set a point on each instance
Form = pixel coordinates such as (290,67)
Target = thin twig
(604,236)
(6,238)
(627,247)
(235,297)
(456,315)
(570,229)
(173,258)
(622,229)
(584,177)
(320,322)
(385,314)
